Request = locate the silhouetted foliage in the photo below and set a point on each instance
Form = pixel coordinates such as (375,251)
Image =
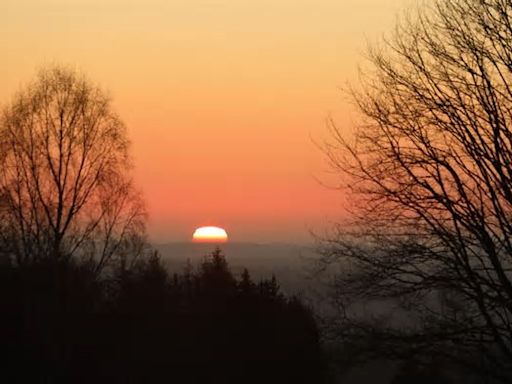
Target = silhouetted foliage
(430,243)
(65,188)
(60,323)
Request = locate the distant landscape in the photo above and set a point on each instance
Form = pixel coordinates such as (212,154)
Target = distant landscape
(291,264)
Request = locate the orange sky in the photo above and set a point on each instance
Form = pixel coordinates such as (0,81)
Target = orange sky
(221,98)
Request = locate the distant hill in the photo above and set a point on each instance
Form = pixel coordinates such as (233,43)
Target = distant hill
(290,263)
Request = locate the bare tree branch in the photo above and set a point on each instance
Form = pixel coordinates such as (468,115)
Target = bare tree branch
(430,173)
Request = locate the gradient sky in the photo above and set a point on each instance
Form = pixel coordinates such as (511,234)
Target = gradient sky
(222,98)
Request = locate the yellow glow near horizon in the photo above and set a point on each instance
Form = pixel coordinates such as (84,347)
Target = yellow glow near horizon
(210,235)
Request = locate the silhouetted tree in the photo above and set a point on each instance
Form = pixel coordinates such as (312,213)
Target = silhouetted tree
(430,171)
(214,274)
(246,286)
(270,287)
(64,184)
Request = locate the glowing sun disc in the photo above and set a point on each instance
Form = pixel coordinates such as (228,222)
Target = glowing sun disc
(210,235)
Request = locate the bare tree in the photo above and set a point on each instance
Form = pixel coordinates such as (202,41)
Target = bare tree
(65,189)
(430,174)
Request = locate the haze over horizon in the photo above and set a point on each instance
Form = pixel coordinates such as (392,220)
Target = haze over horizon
(223,100)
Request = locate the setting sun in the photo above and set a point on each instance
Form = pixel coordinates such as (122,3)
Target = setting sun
(210,235)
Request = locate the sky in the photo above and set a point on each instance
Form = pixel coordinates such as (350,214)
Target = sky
(225,100)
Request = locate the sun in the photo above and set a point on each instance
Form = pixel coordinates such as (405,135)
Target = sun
(210,235)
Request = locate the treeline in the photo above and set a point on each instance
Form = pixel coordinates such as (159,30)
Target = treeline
(61,323)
